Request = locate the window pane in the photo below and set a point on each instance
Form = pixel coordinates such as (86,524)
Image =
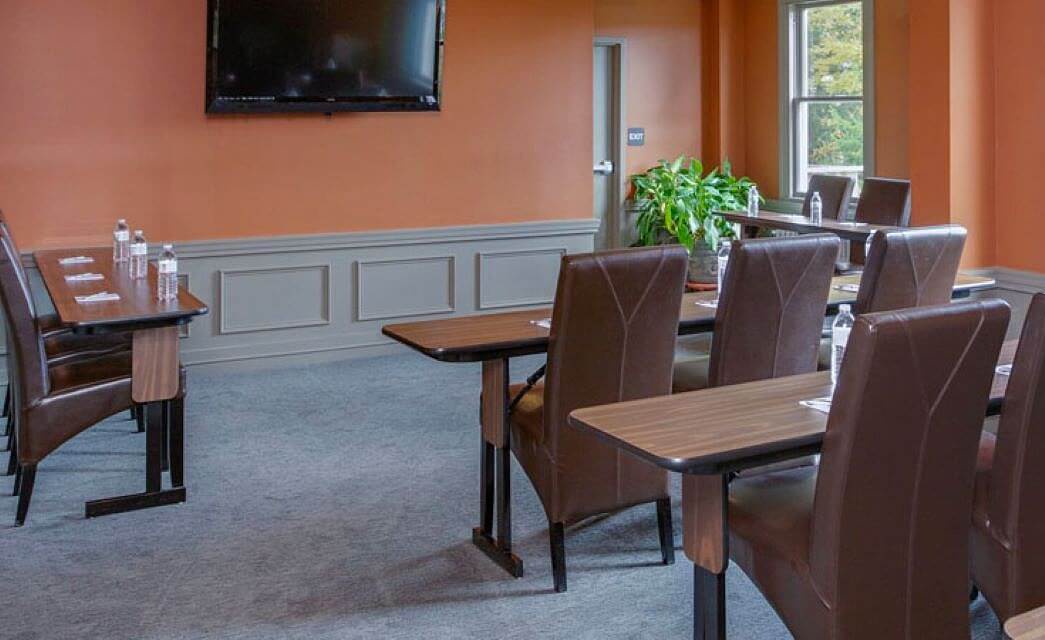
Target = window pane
(834,50)
(831,141)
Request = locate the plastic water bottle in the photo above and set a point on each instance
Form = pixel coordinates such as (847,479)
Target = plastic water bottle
(840,330)
(752,201)
(723,261)
(139,256)
(121,241)
(167,272)
(816,209)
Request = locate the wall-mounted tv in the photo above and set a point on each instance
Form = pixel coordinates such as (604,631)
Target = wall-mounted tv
(279,56)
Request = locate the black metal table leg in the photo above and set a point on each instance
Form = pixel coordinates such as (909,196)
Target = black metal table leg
(709,604)
(154,495)
(496,479)
(176,434)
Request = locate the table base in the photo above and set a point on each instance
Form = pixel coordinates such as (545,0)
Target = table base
(134,502)
(504,558)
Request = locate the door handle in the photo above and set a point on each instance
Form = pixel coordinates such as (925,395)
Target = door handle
(604,168)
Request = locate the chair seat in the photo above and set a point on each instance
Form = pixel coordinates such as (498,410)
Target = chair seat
(90,372)
(50,324)
(770,525)
(63,346)
(528,415)
(848,268)
(690,374)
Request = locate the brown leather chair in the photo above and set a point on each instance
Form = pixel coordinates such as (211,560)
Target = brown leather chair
(885,202)
(612,336)
(873,543)
(54,403)
(1008,522)
(60,344)
(835,194)
(770,314)
(907,268)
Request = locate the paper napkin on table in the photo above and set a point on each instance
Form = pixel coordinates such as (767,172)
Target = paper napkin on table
(1005,370)
(76,260)
(546,323)
(84,277)
(851,288)
(823,405)
(710,304)
(104,296)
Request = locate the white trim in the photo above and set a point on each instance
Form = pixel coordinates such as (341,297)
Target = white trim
(619,46)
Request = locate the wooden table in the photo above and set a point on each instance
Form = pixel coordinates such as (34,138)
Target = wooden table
(1027,626)
(155,366)
(493,339)
(854,231)
(709,434)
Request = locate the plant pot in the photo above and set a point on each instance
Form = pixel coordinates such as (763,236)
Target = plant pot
(703,264)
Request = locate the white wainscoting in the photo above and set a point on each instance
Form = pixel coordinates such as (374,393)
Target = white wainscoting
(328,296)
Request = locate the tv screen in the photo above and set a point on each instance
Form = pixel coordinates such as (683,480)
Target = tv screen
(324,55)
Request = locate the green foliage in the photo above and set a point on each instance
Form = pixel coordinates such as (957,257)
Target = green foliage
(835,63)
(677,199)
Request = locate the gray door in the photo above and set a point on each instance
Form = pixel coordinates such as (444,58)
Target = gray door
(606,138)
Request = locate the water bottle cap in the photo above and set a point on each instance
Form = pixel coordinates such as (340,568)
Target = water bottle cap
(139,232)
(168,246)
(121,221)
(845,308)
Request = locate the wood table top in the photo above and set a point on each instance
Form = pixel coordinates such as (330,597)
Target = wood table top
(726,428)
(1027,626)
(496,335)
(858,231)
(138,304)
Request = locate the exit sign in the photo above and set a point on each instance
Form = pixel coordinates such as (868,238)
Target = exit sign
(636,137)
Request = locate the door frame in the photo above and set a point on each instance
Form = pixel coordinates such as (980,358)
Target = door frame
(619,60)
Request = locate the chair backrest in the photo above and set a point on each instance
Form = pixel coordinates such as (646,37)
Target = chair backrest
(1017,483)
(910,268)
(890,542)
(771,309)
(835,194)
(885,201)
(613,329)
(25,341)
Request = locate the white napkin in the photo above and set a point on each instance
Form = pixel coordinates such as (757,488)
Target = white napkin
(823,405)
(1004,370)
(851,288)
(544,324)
(84,277)
(104,296)
(76,260)
(710,304)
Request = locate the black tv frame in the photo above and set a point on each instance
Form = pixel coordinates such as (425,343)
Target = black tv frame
(328,106)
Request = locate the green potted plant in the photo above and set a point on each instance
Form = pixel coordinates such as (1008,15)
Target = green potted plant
(678,203)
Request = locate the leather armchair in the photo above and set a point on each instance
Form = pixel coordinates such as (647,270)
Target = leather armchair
(885,202)
(907,268)
(1008,523)
(835,194)
(769,315)
(873,542)
(613,333)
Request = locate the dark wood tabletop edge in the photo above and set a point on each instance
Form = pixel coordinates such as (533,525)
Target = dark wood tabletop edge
(715,464)
(127,323)
(474,353)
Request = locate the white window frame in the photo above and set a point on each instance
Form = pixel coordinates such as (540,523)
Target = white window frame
(790,101)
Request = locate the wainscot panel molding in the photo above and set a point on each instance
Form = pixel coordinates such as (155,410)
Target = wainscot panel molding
(534,274)
(319,297)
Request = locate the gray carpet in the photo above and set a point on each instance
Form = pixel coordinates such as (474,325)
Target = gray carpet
(332,501)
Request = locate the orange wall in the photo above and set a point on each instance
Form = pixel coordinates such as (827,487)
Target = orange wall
(892,50)
(663,88)
(102,109)
(1020,134)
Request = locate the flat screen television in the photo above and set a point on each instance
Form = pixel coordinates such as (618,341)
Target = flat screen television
(279,56)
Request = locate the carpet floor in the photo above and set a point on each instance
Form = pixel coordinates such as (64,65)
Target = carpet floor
(332,501)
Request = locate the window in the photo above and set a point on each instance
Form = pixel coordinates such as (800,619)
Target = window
(826,117)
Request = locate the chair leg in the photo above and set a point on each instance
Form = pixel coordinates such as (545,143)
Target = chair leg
(7,403)
(12,458)
(666,530)
(557,536)
(8,432)
(16,488)
(139,416)
(177,441)
(28,475)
